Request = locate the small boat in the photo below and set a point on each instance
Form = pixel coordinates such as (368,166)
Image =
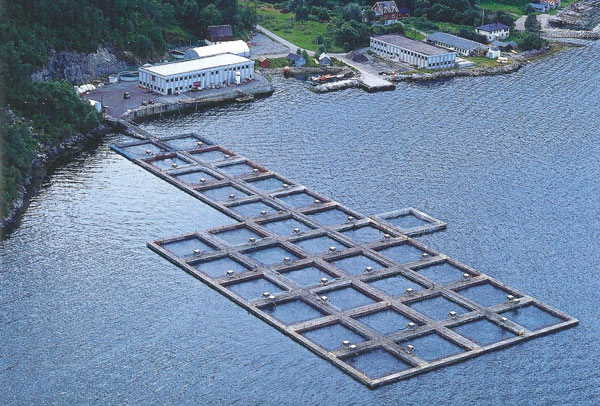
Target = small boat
(177,54)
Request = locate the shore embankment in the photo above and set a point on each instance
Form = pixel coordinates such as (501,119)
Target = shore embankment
(47,158)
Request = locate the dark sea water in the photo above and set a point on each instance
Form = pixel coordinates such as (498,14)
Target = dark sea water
(88,314)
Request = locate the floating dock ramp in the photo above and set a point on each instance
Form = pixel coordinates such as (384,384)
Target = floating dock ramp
(358,291)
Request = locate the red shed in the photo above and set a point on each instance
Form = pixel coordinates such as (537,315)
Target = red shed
(264,62)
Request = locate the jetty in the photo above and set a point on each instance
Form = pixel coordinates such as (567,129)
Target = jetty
(368,80)
(359,291)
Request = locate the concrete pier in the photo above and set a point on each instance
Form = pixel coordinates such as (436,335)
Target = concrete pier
(358,291)
(112,97)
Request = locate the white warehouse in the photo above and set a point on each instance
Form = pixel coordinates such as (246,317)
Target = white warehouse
(202,73)
(418,53)
(238,47)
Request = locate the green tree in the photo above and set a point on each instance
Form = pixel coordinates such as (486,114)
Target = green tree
(532,24)
(530,40)
(352,12)
(505,18)
(210,15)
(348,35)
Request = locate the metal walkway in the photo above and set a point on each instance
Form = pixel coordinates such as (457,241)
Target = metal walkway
(358,291)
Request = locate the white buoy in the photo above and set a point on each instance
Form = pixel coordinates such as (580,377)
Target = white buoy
(296,230)
(229,272)
(231,196)
(410,348)
(516,300)
(255,170)
(504,319)
(199,143)
(452,314)
(409,291)
(263,212)
(252,240)
(510,298)
(332,249)
(317,201)
(174,165)
(369,269)
(424,255)
(271,297)
(323,280)
(202,180)
(411,324)
(226,156)
(352,346)
(266,294)
(466,276)
(287,259)
(387,236)
(148,152)
(285,186)
(345,343)
(196,252)
(350,219)
(323,298)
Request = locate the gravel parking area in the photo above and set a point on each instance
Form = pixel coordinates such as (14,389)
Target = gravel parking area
(263,45)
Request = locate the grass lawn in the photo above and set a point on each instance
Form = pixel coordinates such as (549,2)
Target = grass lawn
(412,33)
(439,26)
(301,33)
(452,28)
(483,62)
(494,6)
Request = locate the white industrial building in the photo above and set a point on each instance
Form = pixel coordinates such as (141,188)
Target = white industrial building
(201,73)
(418,53)
(461,45)
(238,47)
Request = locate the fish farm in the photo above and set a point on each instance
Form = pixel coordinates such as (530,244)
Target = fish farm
(359,291)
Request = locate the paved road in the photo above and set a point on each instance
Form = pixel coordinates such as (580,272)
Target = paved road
(288,44)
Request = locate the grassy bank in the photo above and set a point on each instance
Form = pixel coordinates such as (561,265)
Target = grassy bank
(495,6)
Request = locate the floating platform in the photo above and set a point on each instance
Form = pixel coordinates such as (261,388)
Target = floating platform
(357,291)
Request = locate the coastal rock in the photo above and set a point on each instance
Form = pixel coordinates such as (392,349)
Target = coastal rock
(423,77)
(78,67)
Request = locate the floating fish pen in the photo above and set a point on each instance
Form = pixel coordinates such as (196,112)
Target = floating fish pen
(358,291)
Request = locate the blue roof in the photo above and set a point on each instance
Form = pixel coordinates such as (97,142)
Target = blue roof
(454,41)
(493,27)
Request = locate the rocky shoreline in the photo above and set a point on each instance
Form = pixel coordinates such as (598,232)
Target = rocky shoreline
(47,159)
(449,74)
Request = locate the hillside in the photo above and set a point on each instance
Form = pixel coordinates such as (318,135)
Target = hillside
(31,29)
